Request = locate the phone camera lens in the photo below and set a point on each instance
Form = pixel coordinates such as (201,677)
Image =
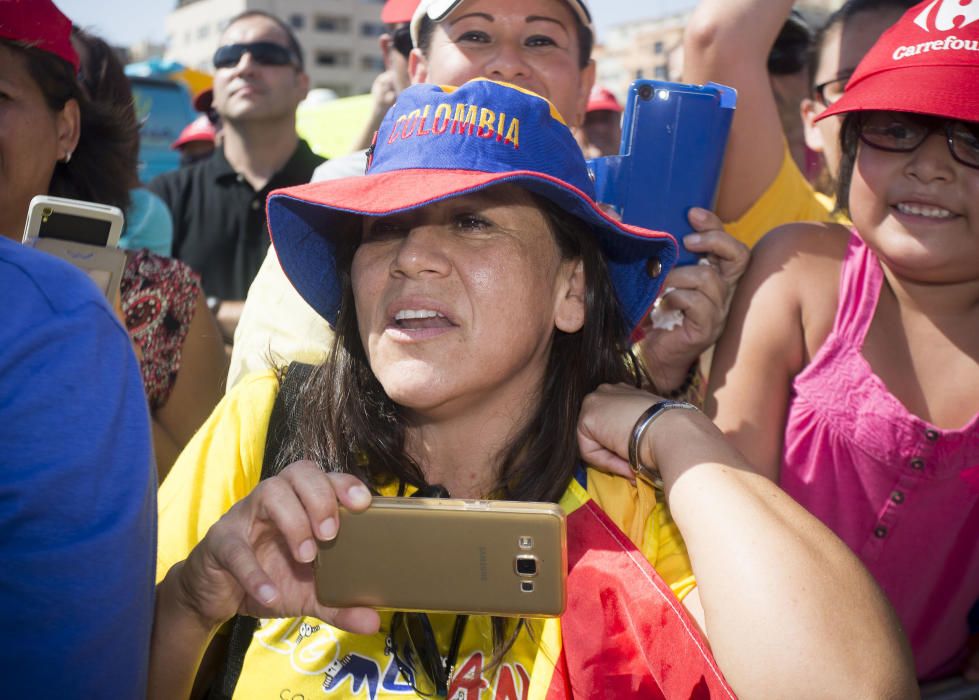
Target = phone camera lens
(526,566)
(645,92)
(47,211)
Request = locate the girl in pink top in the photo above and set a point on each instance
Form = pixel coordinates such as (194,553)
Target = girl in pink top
(850,368)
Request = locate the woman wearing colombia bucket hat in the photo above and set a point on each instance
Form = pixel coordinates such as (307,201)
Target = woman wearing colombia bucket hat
(875,426)
(483,304)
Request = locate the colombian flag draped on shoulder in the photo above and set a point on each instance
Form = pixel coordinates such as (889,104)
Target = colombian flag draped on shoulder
(624,632)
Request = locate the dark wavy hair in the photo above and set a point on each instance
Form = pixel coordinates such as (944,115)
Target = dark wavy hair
(103,163)
(105,83)
(585,39)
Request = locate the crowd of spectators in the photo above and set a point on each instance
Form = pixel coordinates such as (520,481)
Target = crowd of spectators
(787,477)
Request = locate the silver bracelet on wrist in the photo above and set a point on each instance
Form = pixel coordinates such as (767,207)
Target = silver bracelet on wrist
(639,429)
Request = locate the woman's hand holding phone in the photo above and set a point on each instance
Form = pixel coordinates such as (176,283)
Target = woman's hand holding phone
(257,559)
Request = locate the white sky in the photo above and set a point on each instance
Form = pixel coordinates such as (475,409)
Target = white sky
(124,22)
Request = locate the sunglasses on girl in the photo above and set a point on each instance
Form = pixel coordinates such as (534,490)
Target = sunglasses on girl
(902,132)
(264,53)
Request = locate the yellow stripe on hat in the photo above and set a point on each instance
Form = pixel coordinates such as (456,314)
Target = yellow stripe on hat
(555,114)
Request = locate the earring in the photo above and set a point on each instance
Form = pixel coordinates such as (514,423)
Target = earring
(67,158)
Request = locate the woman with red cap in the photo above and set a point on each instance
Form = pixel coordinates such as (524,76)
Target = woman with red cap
(850,368)
(483,305)
(77,481)
(79,139)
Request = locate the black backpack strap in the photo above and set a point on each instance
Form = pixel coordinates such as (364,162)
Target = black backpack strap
(281,423)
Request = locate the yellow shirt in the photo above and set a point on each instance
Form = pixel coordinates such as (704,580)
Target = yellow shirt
(304,657)
(788,199)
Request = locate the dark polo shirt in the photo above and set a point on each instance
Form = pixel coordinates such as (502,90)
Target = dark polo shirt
(219,225)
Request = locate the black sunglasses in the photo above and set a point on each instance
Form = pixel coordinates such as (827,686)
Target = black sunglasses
(902,132)
(265,53)
(401,40)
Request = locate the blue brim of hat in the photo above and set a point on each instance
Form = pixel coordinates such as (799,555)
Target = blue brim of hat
(305,223)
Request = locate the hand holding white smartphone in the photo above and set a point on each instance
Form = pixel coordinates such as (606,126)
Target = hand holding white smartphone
(82,233)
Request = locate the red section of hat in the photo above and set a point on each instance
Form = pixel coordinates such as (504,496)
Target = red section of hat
(602,98)
(198,130)
(398,11)
(928,62)
(40,24)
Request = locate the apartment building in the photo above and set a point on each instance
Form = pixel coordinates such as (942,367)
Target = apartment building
(339,37)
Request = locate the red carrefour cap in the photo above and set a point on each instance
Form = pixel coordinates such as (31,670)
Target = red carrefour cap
(602,99)
(927,63)
(398,11)
(200,129)
(38,23)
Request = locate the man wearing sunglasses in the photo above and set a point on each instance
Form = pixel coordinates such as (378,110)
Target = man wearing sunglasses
(218,205)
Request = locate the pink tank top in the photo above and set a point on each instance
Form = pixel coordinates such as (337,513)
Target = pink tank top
(903,494)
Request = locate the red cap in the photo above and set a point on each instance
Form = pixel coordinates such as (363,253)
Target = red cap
(38,23)
(927,63)
(398,11)
(601,99)
(200,129)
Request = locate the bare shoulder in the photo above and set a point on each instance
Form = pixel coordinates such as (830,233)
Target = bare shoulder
(806,258)
(800,245)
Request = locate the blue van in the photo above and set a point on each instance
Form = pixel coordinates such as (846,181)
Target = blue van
(163,108)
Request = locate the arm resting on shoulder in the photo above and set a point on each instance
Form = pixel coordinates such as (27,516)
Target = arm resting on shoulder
(789,610)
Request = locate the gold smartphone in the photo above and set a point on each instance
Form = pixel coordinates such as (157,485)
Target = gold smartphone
(506,558)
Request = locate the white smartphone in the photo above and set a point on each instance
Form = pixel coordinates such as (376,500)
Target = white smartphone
(83,233)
